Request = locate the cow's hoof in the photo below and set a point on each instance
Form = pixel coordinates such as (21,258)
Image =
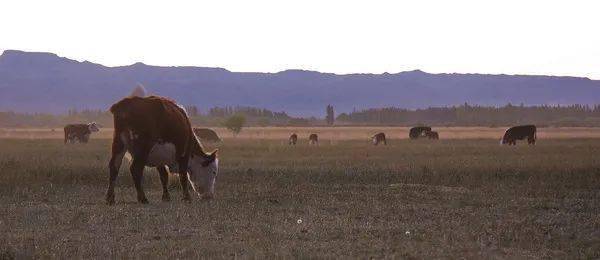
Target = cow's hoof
(143,201)
(166,197)
(187,199)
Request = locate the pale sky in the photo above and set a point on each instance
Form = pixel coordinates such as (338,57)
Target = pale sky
(508,36)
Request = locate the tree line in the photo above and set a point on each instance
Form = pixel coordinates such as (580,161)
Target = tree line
(463,115)
(215,116)
(474,115)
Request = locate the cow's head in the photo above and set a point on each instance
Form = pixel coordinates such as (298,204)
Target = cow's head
(504,139)
(93,127)
(203,170)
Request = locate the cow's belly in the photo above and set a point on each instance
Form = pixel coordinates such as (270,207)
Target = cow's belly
(162,154)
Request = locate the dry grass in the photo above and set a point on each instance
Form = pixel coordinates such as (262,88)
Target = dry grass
(446,199)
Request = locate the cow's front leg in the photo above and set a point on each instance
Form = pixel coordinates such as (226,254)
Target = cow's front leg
(183,178)
(137,172)
(164,179)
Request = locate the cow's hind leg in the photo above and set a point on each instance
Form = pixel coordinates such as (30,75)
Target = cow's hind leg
(118,151)
(164,179)
(137,172)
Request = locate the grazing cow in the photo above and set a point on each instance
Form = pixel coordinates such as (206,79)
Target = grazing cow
(80,132)
(313,139)
(419,131)
(157,133)
(293,139)
(432,135)
(206,135)
(519,133)
(379,138)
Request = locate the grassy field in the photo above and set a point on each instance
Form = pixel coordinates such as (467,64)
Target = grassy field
(450,198)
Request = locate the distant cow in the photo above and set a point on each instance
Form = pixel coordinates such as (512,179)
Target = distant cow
(379,138)
(313,139)
(157,133)
(293,139)
(419,131)
(432,135)
(206,135)
(80,132)
(519,133)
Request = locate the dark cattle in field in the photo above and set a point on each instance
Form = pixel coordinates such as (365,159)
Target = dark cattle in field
(379,138)
(419,131)
(206,135)
(157,133)
(313,139)
(432,135)
(293,139)
(79,132)
(519,133)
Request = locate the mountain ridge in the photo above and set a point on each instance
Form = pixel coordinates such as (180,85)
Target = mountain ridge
(46,82)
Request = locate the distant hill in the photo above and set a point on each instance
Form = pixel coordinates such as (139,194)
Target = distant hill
(45,82)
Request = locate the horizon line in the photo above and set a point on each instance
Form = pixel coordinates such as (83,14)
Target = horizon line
(138,63)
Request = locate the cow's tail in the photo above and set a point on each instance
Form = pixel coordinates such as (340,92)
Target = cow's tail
(66,135)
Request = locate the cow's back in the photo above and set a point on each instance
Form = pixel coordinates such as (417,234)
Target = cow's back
(155,119)
(521,131)
(76,128)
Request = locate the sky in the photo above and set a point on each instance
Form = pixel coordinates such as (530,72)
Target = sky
(483,36)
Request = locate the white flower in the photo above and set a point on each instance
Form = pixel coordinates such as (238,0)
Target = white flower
(299,221)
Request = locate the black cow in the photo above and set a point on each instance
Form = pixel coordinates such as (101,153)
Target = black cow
(519,133)
(419,131)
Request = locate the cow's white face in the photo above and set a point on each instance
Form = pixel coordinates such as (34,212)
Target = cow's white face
(93,127)
(203,174)
(374,140)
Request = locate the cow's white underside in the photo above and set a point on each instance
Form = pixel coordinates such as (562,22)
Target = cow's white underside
(161,153)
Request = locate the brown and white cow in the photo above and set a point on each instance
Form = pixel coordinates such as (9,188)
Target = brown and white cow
(157,133)
(293,139)
(80,132)
(379,138)
(313,139)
